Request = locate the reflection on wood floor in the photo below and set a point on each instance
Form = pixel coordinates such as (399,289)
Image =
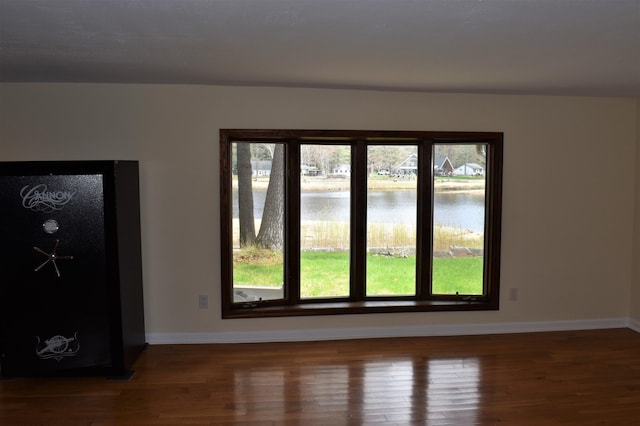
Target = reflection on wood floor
(560,378)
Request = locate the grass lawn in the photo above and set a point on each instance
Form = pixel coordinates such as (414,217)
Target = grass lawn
(327,274)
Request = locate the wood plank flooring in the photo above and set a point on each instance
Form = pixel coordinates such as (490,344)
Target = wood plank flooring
(561,378)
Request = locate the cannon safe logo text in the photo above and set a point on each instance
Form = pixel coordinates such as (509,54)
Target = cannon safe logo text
(38,198)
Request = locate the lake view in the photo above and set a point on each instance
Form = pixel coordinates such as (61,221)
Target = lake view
(457,209)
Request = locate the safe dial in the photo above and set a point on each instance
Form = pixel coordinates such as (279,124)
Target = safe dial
(50,226)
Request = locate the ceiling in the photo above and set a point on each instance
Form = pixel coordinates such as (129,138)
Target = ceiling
(553,47)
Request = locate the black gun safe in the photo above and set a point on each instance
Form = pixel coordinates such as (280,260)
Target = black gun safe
(71,299)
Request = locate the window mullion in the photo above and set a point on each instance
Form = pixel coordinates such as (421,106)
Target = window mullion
(292,223)
(493,211)
(358,220)
(226,223)
(424,226)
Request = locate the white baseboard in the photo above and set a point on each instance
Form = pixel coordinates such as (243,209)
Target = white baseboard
(380,332)
(634,325)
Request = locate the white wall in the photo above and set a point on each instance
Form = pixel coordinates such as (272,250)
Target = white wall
(567,233)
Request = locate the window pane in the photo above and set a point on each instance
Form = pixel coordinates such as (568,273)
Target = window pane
(391,220)
(325,194)
(459,217)
(258,221)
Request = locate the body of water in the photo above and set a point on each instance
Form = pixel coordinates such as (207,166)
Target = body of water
(460,210)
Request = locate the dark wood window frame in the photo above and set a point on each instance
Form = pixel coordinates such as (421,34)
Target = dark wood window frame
(358,302)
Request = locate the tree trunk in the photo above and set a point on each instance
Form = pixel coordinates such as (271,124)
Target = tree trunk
(271,233)
(245,196)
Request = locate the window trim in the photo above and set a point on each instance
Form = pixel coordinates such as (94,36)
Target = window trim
(358,303)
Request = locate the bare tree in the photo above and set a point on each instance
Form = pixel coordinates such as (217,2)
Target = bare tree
(245,196)
(271,234)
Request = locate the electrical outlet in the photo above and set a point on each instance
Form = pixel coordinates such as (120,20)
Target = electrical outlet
(203,301)
(513,294)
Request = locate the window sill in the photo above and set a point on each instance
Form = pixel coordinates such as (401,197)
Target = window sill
(351,308)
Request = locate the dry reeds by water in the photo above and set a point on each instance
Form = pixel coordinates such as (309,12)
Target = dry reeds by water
(329,235)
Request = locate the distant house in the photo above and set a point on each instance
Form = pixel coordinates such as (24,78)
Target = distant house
(442,166)
(469,169)
(261,168)
(342,170)
(408,167)
(306,170)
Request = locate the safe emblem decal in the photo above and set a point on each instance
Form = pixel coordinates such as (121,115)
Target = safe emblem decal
(39,199)
(58,347)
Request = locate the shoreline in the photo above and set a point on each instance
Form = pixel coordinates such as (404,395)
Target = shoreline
(335,185)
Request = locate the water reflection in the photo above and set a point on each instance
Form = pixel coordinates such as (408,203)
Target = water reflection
(453,389)
(389,391)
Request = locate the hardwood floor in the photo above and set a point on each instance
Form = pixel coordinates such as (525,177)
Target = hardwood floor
(562,378)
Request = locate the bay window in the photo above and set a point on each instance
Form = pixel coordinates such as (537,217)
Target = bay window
(317,222)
